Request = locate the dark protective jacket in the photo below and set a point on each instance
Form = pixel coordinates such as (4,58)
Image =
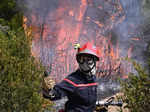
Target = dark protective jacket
(80,90)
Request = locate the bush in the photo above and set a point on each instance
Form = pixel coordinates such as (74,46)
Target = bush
(137,90)
(20,74)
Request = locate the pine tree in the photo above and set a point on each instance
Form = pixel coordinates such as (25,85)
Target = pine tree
(20,73)
(137,90)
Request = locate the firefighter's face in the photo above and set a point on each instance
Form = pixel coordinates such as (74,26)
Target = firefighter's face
(87,64)
(85,58)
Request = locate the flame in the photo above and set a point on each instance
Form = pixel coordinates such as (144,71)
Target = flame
(98,23)
(26,28)
(135,38)
(71,13)
(100,7)
(82,8)
(53,39)
(130,52)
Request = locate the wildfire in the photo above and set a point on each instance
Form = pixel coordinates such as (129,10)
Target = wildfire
(53,39)
(82,8)
(98,23)
(130,52)
(71,13)
(26,28)
(135,38)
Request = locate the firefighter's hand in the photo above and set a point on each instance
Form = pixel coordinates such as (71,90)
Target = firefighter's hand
(48,83)
(100,108)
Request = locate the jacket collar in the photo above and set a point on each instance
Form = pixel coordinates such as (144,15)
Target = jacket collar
(85,76)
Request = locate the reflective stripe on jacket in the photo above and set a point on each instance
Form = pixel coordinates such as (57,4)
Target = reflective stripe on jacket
(80,90)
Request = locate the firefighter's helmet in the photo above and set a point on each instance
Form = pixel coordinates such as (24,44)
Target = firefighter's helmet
(88,49)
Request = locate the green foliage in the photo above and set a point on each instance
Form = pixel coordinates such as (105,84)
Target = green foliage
(7,9)
(20,74)
(9,14)
(146,4)
(14,23)
(137,90)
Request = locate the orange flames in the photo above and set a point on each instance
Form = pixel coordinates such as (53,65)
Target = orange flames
(53,39)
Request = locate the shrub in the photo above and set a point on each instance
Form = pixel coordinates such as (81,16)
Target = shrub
(20,75)
(137,90)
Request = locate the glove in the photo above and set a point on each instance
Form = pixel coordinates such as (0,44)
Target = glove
(48,83)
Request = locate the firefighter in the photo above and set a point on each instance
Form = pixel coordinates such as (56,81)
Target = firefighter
(80,86)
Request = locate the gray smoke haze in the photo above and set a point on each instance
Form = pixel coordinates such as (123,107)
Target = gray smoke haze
(129,29)
(127,32)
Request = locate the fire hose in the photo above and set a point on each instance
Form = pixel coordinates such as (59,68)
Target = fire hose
(102,106)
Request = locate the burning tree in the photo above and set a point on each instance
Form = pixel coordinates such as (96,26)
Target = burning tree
(60,24)
(110,24)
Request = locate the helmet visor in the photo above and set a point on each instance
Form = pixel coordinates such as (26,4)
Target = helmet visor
(85,59)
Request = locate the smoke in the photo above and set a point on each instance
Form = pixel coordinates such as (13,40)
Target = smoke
(126,30)
(129,29)
(41,8)
(58,24)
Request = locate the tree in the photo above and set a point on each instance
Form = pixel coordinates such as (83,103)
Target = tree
(10,14)
(146,29)
(8,8)
(137,90)
(20,73)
